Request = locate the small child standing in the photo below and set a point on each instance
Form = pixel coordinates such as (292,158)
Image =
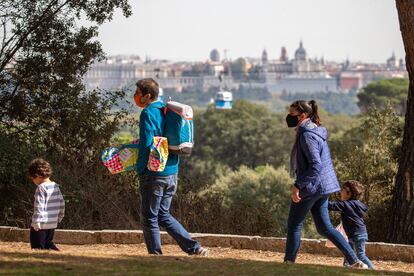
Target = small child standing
(49,206)
(352,215)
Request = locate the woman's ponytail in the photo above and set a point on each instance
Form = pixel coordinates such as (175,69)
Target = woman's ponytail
(315,116)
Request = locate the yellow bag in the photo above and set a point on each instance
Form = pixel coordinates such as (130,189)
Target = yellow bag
(158,155)
(121,159)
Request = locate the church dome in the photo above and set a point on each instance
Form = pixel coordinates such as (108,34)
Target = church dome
(215,55)
(300,53)
(283,54)
(264,57)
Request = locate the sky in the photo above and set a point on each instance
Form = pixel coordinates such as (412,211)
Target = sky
(187,30)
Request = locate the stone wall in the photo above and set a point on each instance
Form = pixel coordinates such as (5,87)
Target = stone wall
(376,251)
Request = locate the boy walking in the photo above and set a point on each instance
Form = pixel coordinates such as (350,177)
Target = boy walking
(352,215)
(49,206)
(158,188)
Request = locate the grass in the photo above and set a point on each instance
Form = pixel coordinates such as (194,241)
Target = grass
(52,263)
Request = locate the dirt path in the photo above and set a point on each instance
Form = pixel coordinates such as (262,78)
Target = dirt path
(114,251)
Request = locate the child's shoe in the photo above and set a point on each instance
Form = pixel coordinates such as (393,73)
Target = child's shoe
(53,247)
(359,265)
(202,252)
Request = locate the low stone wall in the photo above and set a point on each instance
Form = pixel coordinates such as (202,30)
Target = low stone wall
(376,251)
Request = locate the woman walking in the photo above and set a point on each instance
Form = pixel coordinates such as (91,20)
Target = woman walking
(316,179)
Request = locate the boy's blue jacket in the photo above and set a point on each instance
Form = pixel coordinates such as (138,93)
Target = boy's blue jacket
(352,215)
(315,173)
(151,123)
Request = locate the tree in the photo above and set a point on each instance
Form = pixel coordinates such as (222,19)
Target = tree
(368,153)
(43,58)
(332,102)
(402,217)
(46,111)
(247,135)
(380,92)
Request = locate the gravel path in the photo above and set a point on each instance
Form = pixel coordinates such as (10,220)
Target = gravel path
(118,251)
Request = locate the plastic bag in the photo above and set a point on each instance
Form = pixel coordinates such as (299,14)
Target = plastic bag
(121,159)
(158,155)
(340,229)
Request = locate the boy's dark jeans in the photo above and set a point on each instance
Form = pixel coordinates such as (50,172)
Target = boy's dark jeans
(156,196)
(357,242)
(42,239)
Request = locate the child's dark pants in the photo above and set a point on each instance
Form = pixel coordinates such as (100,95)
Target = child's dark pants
(42,239)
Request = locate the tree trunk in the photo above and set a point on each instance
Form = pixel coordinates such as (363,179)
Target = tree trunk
(402,215)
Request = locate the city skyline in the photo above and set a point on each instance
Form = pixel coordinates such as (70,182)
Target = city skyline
(181,30)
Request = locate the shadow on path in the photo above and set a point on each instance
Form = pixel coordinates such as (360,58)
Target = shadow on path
(57,263)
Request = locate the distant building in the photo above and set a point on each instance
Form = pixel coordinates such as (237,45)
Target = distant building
(392,62)
(215,55)
(300,74)
(265,59)
(350,81)
(117,72)
(283,55)
(402,64)
(304,83)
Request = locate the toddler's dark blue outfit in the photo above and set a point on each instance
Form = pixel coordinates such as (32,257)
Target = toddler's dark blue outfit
(352,215)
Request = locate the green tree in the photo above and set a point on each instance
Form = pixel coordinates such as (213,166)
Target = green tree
(368,153)
(401,228)
(43,57)
(46,111)
(252,93)
(334,103)
(247,135)
(380,92)
(253,201)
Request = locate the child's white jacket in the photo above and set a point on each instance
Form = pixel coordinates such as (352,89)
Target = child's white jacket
(49,206)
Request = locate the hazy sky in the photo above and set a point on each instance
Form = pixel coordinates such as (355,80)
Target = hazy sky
(184,30)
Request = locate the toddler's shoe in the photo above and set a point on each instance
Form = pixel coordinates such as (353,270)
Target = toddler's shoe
(359,265)
(202,252)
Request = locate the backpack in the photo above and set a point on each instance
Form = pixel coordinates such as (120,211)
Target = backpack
(179,128)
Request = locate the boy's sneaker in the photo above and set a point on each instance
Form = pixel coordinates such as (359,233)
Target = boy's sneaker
(359,265)
(53,247)
(202,252)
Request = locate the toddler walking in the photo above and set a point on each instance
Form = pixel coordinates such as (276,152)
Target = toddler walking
(49,206)
(352,215)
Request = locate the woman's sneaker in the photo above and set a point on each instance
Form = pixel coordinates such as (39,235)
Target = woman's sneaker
(359,265)
(202,252)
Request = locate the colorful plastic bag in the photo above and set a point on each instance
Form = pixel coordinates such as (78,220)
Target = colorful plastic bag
(121,159)
(341,230)
(158,155)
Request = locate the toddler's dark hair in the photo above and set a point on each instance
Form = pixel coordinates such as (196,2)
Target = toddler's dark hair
(39,167)
(356,188)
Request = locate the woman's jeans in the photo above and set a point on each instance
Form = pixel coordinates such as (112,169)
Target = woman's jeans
(357,242)
(156,196)
(318,205)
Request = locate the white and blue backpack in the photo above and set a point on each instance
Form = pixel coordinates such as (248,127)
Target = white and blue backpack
(179,128)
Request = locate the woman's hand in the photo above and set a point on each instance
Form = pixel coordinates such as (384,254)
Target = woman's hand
(295,195)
